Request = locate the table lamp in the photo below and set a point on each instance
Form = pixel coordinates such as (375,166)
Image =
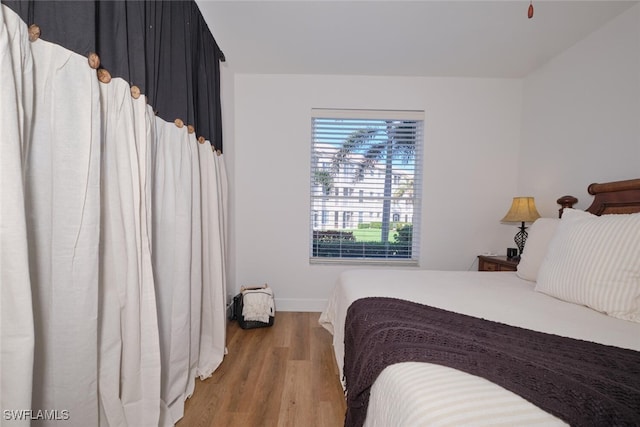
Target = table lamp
(523,209)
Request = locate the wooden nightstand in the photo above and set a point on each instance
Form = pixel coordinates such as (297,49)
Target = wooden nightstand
(496,263)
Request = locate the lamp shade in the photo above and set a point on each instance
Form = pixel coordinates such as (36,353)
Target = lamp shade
(523,209)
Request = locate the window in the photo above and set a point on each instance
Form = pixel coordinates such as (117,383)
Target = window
(375,158)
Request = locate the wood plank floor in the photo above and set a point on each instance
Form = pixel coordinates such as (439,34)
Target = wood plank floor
(284,375)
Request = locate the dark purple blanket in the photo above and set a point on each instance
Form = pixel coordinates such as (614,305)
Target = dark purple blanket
(580,382)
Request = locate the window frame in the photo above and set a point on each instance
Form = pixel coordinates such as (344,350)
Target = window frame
(356,195)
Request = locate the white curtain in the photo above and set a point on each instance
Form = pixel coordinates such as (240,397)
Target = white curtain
(196,263)
(16,315)
(129,357)
(63,224)
(214,188)
(112,247)
(172,262)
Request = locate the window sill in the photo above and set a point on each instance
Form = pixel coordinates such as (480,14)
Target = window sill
(360,261)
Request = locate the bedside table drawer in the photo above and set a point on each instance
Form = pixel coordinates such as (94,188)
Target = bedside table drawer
(496,263)
(488,266)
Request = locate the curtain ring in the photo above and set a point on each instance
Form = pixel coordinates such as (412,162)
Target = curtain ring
(135,92)
(104,76)
(179,123)
(94,60)
(201,139)
(190,129)
(34,32)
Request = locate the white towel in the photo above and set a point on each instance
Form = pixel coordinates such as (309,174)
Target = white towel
(257,304)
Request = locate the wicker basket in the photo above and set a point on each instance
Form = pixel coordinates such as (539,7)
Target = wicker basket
(237,311)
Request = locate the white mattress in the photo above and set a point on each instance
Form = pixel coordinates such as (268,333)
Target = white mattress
(412,394)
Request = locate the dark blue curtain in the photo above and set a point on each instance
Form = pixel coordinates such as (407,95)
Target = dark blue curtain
(163,47)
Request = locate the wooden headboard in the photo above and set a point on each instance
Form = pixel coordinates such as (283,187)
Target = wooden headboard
(618,197)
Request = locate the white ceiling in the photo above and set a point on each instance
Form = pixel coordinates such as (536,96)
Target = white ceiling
(401,38)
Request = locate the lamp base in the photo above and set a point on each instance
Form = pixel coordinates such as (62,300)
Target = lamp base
(520,239)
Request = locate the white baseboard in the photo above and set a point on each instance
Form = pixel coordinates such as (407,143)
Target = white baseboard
(300,304)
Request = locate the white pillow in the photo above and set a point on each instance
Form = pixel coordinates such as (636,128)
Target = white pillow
(540,234)
(595,261)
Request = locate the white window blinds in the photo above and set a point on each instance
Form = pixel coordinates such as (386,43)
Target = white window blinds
(365,185)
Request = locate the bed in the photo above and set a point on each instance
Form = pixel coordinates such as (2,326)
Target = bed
(578,282)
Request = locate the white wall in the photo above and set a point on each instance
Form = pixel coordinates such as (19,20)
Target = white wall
(472,129)
(581,116)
